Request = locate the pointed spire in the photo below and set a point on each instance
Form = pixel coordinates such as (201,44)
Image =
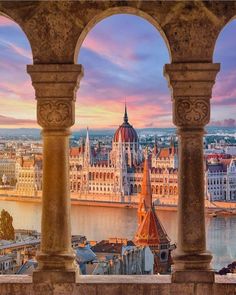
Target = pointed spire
(87,135)
(172,145)
(150,231)
(125,115)
(87,149)
(146,191)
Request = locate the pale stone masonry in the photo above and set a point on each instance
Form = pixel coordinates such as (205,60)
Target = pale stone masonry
(56,31)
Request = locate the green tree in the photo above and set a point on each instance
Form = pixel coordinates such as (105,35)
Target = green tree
(6,227)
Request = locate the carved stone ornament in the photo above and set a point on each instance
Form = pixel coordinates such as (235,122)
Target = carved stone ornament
(191,111)
(54,114)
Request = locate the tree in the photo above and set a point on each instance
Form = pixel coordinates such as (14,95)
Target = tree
(6,227)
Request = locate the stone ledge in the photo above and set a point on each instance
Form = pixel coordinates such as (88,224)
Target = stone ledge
(115,279)
(116,285)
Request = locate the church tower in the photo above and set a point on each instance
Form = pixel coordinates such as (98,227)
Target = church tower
(150,231)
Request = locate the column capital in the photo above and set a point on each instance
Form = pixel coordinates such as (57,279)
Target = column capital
(191,85)
(55,91)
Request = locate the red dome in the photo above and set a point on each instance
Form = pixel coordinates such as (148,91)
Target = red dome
(126,132)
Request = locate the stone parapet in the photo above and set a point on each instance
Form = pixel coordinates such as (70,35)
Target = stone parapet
(116,285)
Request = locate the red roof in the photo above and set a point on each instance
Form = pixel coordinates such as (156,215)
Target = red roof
(151,232)
(125,132)
(76,151)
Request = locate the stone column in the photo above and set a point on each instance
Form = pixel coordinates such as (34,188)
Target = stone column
(55,87)
(191,85)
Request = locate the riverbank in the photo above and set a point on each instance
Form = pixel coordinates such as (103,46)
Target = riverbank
(212,209)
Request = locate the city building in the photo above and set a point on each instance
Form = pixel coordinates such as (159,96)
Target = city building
(8,168)
(29,175)
(118,177)
(120,256)
(220,178)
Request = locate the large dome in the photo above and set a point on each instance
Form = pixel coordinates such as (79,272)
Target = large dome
(126,132)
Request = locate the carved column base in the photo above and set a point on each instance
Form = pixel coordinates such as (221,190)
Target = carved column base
(57,277)
(193,268)
(194,261)
(56,268)
(193,276)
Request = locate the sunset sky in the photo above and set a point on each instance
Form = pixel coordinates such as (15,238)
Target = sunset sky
(123,58)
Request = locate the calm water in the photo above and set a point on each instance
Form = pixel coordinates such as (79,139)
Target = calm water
(98,223)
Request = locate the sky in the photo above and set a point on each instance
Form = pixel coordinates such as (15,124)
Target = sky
(123,58)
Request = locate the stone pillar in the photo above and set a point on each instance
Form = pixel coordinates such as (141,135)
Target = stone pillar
(191,85)
(55,87)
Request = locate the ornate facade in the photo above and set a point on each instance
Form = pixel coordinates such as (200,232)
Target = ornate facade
(29,176)
(118,178)
(221,180)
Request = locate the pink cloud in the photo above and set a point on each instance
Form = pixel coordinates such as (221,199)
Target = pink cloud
(224,91)
(109,113)
(14,121)
(18,50)
(22,89)
(110,50)
(224,123)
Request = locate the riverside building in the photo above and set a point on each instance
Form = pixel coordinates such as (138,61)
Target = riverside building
(117,177)
(220,178)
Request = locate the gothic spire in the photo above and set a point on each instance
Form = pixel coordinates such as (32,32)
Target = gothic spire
(125,115)
(146,191)
(87,149)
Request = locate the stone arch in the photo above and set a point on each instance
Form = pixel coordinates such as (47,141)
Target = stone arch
(135,189)
(153,189)
(131,189)
(114,11)
(175,190)
(139,188)
(161,190)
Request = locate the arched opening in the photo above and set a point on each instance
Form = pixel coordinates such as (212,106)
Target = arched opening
(20,166)
(224,92)
(220,142)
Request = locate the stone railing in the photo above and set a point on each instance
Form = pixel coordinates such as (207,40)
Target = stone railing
(116,285)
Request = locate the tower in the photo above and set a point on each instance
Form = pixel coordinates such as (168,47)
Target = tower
(150,231)
(87,150)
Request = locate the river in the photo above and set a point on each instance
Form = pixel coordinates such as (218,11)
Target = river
(98,223)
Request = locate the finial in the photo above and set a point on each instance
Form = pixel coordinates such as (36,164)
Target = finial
(125,115)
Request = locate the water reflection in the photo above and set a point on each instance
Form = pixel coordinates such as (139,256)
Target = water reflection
(99,223)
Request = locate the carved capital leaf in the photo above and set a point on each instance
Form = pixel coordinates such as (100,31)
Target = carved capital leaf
(55,114)
(191,112)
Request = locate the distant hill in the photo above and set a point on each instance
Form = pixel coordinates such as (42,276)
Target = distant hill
(34,133)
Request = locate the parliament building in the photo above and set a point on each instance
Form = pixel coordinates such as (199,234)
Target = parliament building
(117,176)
